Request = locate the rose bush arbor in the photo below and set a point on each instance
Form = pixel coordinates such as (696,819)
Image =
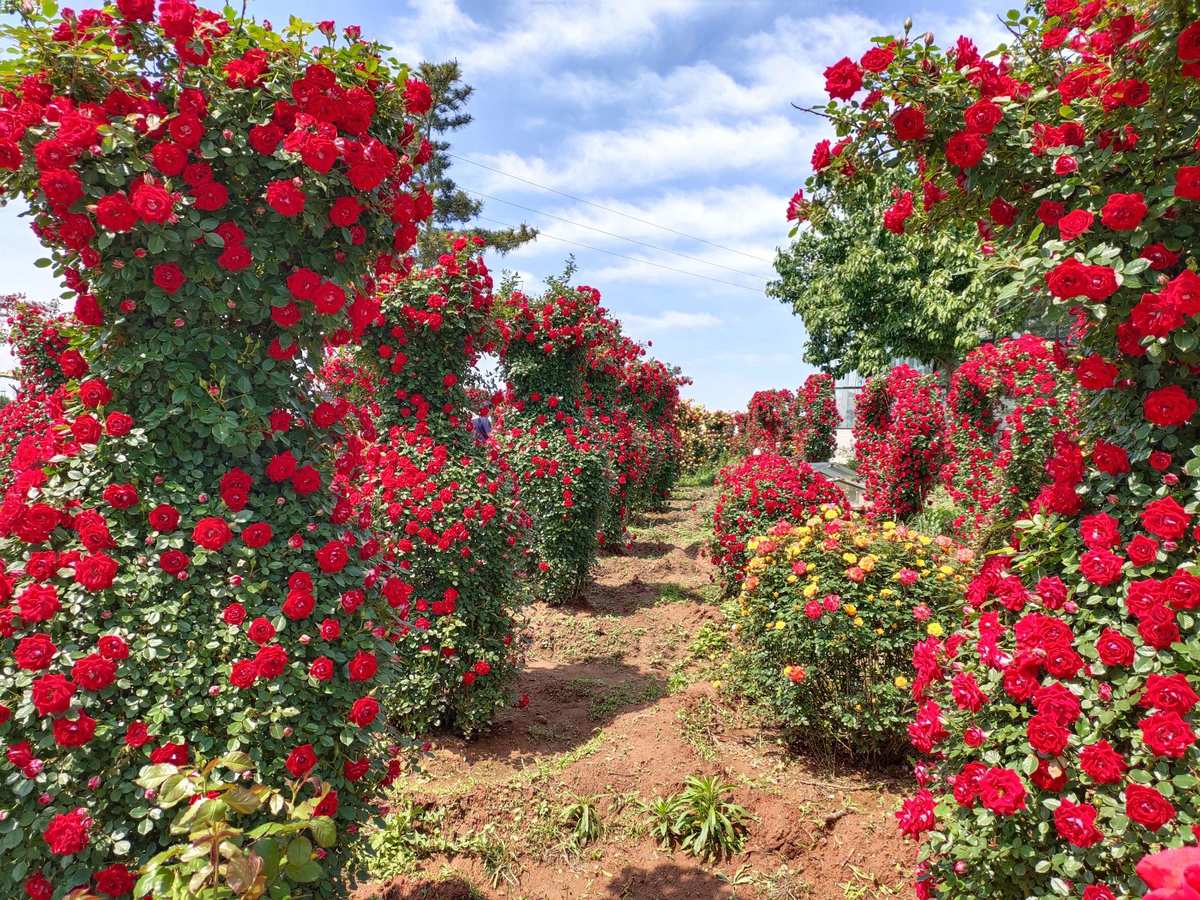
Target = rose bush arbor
(1061,715)
(179,578)
(444,507)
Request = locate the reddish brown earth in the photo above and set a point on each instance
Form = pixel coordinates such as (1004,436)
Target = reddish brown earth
(622,709)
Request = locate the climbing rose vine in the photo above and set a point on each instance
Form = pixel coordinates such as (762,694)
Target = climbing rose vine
(178,578)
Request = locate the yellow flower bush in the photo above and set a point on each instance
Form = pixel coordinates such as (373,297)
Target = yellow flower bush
(829,612)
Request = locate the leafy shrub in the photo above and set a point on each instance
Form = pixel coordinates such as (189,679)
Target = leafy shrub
(830,610)
(899,440)
(178,579)
(755,493)
(1060,719)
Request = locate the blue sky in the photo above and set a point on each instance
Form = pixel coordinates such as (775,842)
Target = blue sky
(675,112)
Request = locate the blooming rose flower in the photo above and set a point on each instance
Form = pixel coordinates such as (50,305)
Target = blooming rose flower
(1147,807)
(67,833)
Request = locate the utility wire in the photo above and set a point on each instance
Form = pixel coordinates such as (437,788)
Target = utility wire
(611,210)
(635,259)
(613,234)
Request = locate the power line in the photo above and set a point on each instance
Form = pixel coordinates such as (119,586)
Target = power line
(620,237)
(635,259)
(611,210)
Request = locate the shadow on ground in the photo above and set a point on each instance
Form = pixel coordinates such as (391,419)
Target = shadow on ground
(668,882)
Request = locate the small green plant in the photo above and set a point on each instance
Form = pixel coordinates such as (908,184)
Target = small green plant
(701,819)
(583,819)
(411,833)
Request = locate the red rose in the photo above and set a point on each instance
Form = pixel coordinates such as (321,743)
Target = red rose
(332,557)
(1187,45)
(285,198)
(137,735)
(164,518)
(94,393)
(843,79)
(173,561)
(418,97)
(38,603)
(243,673)
(319,153)
(1187,182)
(1095,373)
(37,886)
(1001,791)
(115,213)
(1167,734)
(234,614)
(115,881)
(169,277)
(909,123)
(877,59)
(362,667)
(96,572)
(301,760)
(235,258)
(1099,530)
(329,298)
(174,754)
(322,668)
(67,833)
(1102,763)
(345,211)
(1076,822)
(1168,406)
(363,711)
(152,203)
(1075,223)
(1166,519)
(168,158)
(75,732)
(1110,459)
(210,196)
(257,534)
(1171,693)
(299,605)
(86,429)
(1101,567)
(983,116)
(93,672)
(265,138)
(328,805)
(281,466)
(306,480)
(355,769)
(112,646)
(35,652)
(118,424)
(1046,735)
(330,629)
(1123,212)
(1147,807)
(261,630)
(270,661)
(212,533)
(965,149)
(1142,551)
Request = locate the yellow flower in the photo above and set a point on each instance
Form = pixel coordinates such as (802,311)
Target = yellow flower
(858,621)
(810,590)
(901,682)
(831,513)
(889,525)
(867,563)
(933,629)
(849,558)
(925,540)
(886,592)
(946,570)
(780,625)
(879,631)
(792,579)
(850,609)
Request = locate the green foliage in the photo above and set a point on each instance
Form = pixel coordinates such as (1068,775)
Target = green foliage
(582,819)
(868,297)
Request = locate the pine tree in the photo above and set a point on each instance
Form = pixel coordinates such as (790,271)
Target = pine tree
(453,207)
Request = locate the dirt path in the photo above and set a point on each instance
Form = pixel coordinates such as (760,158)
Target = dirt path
(622,709)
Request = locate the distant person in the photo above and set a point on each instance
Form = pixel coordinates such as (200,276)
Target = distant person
(481,426)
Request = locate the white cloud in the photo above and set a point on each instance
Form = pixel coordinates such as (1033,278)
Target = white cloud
(671,319)
(535,32)
(653,152)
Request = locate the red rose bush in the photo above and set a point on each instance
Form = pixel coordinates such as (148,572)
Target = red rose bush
(1059,718)
(178,578)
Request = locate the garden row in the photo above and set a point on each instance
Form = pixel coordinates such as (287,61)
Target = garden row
(251,550)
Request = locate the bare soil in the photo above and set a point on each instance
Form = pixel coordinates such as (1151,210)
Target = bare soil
(625,703)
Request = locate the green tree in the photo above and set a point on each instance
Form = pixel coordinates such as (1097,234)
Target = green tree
(452,206)
(869,297)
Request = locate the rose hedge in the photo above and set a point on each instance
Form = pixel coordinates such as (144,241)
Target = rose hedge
(818,417)
(705,435)
(830,610)
(899,440)
(1061,716)
(179,578)
(755,493)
